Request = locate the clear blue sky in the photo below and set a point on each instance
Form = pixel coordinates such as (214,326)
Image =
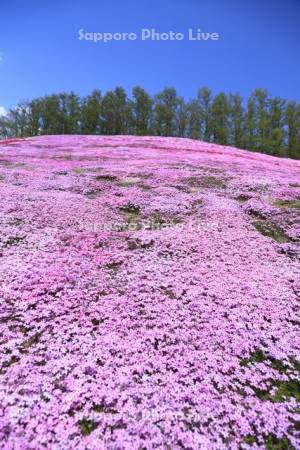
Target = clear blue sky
(40,52)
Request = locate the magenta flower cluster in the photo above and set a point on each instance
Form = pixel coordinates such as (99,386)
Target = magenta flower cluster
(149,295)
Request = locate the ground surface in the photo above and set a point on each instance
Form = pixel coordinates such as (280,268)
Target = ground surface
(149,295)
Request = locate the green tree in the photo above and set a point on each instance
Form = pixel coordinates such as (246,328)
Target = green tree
(292,122)
(194,119)
(69,112)
(17,120)
(182,118)
(276,127)
(34,117)
(90,113)
(237,121)
(51,115)
(220,119)
(141,111)
(250,125)
(115,112)
(204,101)
(260,103)
(166,108)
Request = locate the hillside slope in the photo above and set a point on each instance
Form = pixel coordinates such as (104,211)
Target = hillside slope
(149,295)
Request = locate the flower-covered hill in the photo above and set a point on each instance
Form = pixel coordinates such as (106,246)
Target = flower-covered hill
(149,295)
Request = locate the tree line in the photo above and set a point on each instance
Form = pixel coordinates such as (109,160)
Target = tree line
(262,123)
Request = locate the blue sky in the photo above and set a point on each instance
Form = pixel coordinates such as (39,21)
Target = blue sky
(40,52)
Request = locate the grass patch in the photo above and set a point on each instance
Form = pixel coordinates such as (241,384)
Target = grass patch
(272,442)
(106,177)
(78,170)
(207,181)
(258,356)
(62,172)
(97,322)
(288,203)
(131,213)
(33,340)
(129,181)
(87,426)
(271,230)
(104,409)
(255,357)
(181,188)
(67,157)
(197,204)
(113,266)
(168,292)
(16,222)
(284,389)
(13,360)
(157,221)
(94,193)
(284,392)
(14,240)
(144,187)
(134,244)
(12,165)
(213,182)
(296,364)
(249,439)
(133,221)
(260,188)
(130,208)
(241,198)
